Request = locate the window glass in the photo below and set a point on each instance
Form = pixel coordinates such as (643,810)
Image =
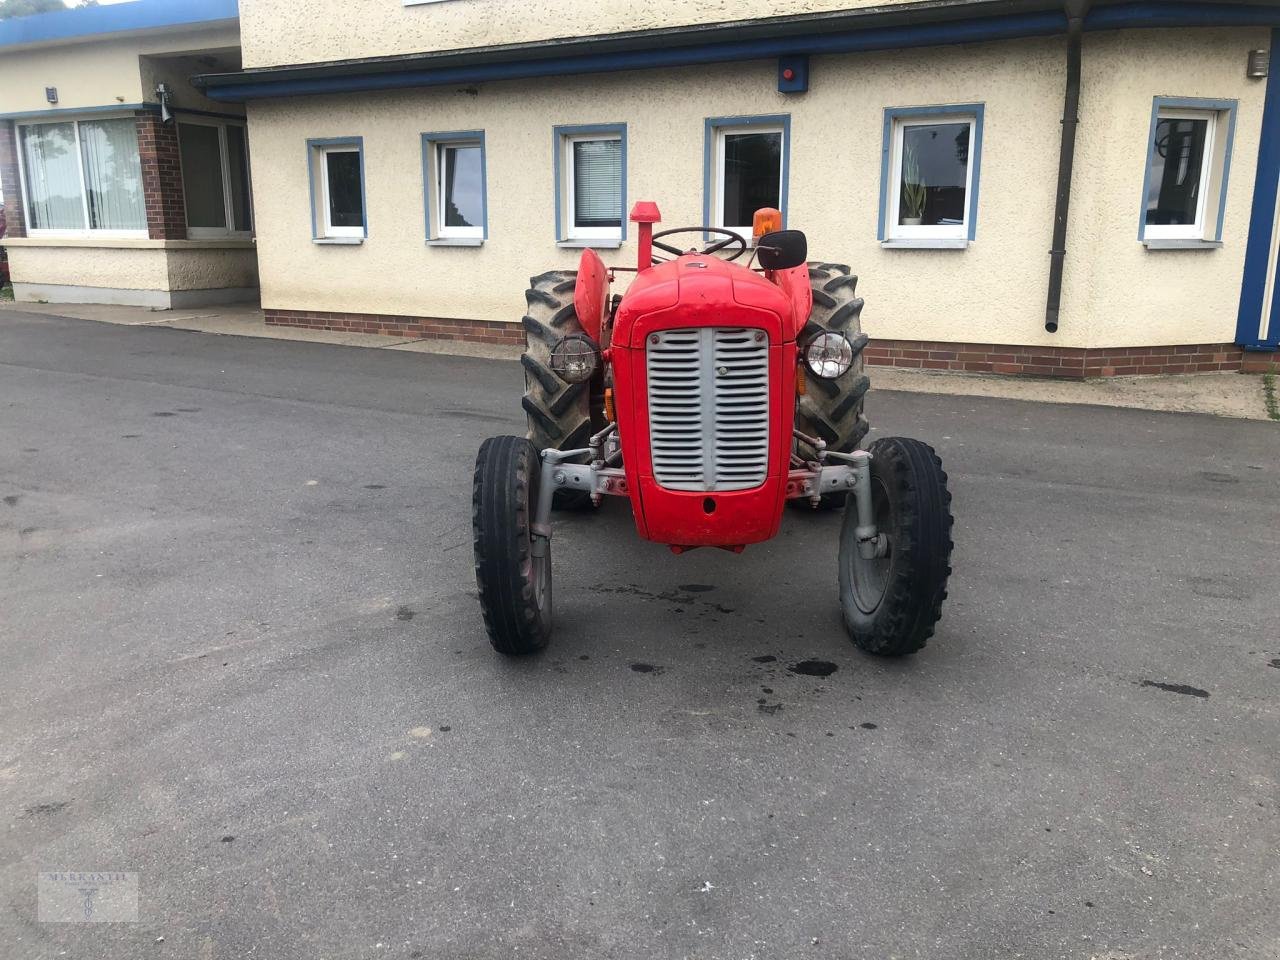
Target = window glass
(934,174)
(202,175)
(462,186)
(752,175)
(238,170)
(342,172)
(52,172)
(113,174)
(1176,168)
(597,183)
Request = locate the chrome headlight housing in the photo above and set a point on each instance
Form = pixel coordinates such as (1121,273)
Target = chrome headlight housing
(829,355)
(575,359)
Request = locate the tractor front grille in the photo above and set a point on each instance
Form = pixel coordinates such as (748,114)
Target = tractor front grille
(709,407)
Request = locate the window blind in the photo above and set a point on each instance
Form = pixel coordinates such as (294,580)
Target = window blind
(597,183)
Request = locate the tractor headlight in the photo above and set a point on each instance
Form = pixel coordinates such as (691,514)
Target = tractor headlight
(829,355)
(575,358)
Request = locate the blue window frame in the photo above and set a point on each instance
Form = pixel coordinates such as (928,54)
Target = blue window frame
(335,172)
(1188,159)
(455,188)
(745,165)
(930,170)
(590,163)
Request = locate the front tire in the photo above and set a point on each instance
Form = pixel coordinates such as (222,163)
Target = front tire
(891,603)
(514,585)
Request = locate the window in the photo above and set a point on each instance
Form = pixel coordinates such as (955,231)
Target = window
(337,190)
(83,176)
(591,185)
(1188,155)
(747,170)
(929,176)
(215,178)
(454,176)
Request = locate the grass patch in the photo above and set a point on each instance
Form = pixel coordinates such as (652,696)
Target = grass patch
(1269,395)
(6,292)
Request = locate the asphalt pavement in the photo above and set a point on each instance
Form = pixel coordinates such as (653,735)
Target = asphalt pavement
(241,657)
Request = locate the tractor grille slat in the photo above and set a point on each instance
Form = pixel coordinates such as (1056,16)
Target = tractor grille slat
(709,408)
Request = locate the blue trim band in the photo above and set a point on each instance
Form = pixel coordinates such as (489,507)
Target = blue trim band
(249,86)
(429,143)
(312,145)
(114,18)
(711,125)
(1190,103)
(557,142)
(891,115)
(1262,221)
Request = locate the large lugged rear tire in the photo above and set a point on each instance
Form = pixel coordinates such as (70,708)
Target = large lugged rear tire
(891,604)
(831,410)
(559,413)
(514,585)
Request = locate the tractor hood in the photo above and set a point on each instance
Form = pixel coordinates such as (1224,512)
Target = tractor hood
(697,291)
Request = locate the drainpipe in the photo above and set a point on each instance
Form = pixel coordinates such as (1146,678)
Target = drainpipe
(1075,10)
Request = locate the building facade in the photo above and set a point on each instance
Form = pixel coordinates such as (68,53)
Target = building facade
(416,161)
(122,183)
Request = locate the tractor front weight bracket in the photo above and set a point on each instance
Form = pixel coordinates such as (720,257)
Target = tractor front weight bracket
(558,474)
(815,480)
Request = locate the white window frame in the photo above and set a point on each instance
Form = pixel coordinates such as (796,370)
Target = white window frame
(572,231)
(227,232)
(717,180)
(87,230)
(903,231)
(439,229)
(1185,231)
(327,231)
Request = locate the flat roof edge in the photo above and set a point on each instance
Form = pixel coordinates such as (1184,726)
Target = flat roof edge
(744,40)
(94,22)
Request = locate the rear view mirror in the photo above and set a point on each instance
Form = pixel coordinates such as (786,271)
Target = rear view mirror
(782,249)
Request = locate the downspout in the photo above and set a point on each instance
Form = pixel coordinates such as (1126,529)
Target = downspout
(1075,10)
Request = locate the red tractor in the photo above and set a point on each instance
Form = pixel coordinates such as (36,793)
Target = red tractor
(709,394)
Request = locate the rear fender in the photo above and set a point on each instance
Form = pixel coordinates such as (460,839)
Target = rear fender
(591,294)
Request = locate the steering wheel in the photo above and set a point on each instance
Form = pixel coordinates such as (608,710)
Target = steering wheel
(730,239)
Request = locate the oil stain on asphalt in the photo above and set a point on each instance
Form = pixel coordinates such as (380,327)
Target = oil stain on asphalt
(1176,688)
(813,668)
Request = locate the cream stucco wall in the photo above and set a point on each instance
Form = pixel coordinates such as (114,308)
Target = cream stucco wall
(210,269)
(312,31)
(1116,293)
(99,73)
(1119,290)
(111,268)
(83,270)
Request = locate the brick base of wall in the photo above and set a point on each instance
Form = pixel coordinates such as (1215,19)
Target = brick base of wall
(427,328)
(1062,362)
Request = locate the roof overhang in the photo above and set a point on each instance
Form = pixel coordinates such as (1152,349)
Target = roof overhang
(924,23)
(139,17)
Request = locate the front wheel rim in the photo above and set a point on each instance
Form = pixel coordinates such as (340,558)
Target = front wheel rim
(870,577)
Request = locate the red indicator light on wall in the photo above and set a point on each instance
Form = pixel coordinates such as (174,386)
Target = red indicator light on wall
(793,74)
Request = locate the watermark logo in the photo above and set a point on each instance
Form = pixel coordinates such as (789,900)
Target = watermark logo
(82,896)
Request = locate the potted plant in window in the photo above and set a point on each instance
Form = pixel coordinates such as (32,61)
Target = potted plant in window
(913,191)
